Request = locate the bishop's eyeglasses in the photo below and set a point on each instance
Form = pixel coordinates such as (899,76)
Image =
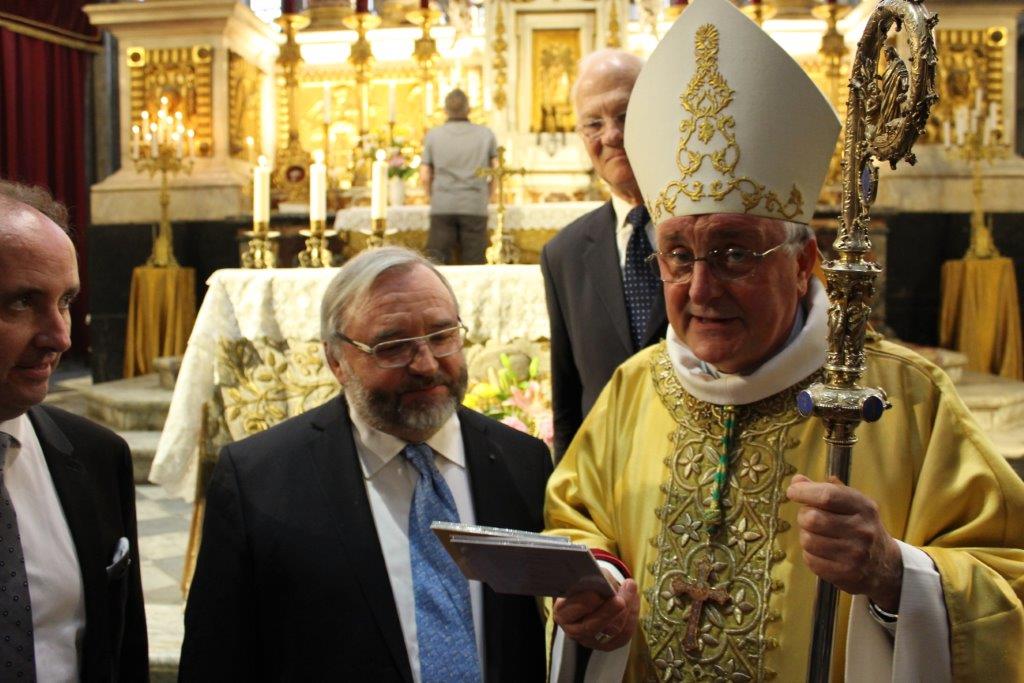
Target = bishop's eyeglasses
(398,353)
(730,263)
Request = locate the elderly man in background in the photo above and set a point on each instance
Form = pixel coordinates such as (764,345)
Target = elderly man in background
(70,589)
(604,303)
(452,153)
(695,476)
(317,560)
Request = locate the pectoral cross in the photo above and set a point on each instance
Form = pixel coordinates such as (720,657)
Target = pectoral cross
(502,250)
(700,591)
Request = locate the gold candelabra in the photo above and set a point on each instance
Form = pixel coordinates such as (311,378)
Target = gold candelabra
(425,55)
(163,145)
(378,233)
(759,11)
(977,139)
(886,113)
(259,253)
(316,253)
(360,57)
(502,248)
(290,162)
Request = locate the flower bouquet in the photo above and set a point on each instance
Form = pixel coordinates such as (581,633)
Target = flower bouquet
(521,404)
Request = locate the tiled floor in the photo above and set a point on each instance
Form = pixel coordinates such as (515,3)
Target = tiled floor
(163,534)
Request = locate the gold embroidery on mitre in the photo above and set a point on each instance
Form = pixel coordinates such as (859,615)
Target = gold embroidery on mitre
(731,638)
(706,99)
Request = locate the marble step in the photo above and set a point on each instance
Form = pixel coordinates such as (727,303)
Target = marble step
(996,402)
(136,404)
(143,447)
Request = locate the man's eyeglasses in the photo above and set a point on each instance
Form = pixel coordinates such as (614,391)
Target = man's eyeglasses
(594,127)
(398,353)
(732,263)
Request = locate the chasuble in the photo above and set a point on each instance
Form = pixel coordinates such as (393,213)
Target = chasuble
(639,481)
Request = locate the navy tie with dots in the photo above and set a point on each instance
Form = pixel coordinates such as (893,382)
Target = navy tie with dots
(17,656)
(639,283)
(444,614)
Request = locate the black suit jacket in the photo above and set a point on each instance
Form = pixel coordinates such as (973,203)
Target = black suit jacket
(290,582)
(91,468)
(589,322)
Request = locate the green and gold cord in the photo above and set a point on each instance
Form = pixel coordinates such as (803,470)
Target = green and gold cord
(714,513)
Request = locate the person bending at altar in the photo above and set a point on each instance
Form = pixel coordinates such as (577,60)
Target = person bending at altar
(604,304)
(695,476)
(317,561)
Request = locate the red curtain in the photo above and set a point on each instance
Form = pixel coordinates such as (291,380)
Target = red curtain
(43,90)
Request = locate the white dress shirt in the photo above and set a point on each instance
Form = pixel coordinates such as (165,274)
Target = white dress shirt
(623,230)
(51,562)
(390,484)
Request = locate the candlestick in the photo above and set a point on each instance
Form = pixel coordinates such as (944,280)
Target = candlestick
(136,133)
(259,253)
(318,188)
(379,187)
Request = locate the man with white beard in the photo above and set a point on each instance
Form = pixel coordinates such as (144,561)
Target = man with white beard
(317,559)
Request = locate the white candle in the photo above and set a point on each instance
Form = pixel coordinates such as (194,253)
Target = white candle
(250,145)
(979,99)
(947,137)
(986,136)
(179,148)
(391,102)
(261,191)
(153,142)
(136,134)
(327,103)
(191,142)
(379,187)
(318,188)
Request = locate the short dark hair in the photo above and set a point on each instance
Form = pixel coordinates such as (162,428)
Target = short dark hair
(39,198)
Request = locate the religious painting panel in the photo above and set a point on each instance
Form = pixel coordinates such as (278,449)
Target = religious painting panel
(553,65)
(183,75)
(245,103)
(970,62)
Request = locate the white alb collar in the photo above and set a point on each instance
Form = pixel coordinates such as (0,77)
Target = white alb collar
(802,356)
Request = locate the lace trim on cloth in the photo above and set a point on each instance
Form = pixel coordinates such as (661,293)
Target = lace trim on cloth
(733,568)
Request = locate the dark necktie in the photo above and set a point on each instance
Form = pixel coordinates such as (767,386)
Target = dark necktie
(444,614)
(17,655)
(640,284)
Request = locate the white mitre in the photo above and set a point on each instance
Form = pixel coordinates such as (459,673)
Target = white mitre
(722,120)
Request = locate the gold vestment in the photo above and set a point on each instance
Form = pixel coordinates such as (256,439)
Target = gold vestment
(636,479)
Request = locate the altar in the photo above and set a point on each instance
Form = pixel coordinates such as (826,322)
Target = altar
(255,358)
(529,225)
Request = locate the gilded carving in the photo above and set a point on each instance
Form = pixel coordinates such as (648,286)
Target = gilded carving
(555,54)
(970,60)
(245,103)
(184,75)
(712,596)
(706,100)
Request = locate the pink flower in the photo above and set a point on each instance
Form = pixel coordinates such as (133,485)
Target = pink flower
(546,429)
(515,423)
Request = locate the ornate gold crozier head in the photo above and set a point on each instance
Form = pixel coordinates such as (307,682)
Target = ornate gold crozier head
(723,120)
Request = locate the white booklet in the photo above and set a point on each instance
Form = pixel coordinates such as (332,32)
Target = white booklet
(522,562)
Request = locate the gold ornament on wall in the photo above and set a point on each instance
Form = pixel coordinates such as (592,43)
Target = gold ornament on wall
(245,102)
(184,75)
(555,54)
(500,62)
(970,60)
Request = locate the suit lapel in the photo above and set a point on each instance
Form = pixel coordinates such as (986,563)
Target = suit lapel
(657,322)
(335,459)
(75,493)
(495,503)
(601,259)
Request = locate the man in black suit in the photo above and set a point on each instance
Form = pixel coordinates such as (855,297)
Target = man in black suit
(604,302)
(70,592)
(317,561)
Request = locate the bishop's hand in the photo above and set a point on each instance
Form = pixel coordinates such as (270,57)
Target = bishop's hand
(600,623)
(844,541)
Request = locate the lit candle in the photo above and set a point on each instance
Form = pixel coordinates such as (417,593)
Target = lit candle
(379,187)
(327,103)
(250,145)
(136,134)
(179,148)
(153,142)
(318,188)
(979,99)
(391,102)
(261,191)
(947,137)
(191,142)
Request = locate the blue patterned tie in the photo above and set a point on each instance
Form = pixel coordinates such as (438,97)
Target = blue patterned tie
(444,616)
(17,649)
(640,284)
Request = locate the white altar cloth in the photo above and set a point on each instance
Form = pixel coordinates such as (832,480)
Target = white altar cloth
(545,216)
(495,302)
